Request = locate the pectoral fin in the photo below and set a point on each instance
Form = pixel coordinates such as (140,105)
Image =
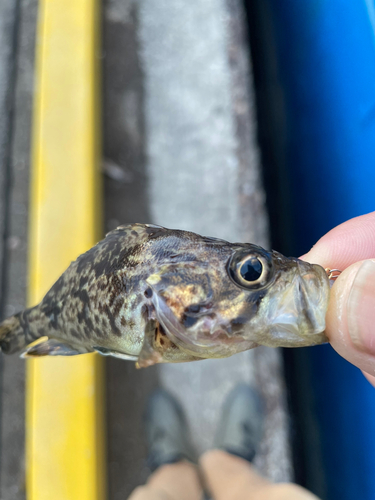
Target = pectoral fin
(116,354)
(158,348)
(52,347)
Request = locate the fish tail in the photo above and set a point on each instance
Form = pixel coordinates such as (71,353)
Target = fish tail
(14,333)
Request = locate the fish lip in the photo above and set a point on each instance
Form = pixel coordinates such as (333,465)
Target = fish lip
(304,308)
(313,290)
(294,313)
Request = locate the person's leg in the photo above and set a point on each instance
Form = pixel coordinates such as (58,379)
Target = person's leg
(227,468)
(170,456)
(229,477)
(178,481)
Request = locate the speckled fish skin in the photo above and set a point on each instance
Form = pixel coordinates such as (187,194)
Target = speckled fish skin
(155,295)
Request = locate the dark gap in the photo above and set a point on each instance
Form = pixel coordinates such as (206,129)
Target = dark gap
(272,130)
(8,143)
(7,180)
(271,121)
(125,200)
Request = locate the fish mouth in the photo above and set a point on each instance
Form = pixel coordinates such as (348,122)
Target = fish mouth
(297,318)
(206,338)
(313,297)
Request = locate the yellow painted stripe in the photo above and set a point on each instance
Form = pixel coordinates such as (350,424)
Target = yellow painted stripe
(64,396)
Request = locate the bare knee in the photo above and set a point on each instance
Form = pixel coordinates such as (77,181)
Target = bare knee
(288,491)
(147,493)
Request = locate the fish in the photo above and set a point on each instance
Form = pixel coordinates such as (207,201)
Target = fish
(152,295)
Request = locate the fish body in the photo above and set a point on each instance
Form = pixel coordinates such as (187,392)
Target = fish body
(151,294)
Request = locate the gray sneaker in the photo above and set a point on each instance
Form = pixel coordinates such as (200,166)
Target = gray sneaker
(166,431)
(241,425)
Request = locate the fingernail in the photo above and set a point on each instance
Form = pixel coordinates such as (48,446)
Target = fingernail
(361,308)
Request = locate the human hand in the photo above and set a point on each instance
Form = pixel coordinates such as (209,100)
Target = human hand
(350,319)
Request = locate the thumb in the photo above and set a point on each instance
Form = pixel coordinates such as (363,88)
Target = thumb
(351,315)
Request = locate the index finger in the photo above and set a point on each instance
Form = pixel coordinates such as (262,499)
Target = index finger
(346,244)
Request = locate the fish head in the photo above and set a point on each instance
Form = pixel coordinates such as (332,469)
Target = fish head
(286,306)
(226,298)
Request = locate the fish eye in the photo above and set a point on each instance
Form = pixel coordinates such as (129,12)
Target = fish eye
(250,270)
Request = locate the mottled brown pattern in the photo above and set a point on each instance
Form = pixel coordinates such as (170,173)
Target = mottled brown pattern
(163,295)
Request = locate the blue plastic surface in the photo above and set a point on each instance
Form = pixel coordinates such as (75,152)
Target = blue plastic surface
(327,49)
(326,68)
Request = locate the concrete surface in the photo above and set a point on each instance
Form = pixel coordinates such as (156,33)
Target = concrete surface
(180,150)
(12,425)
(8,25)
(8,15)
(8,31)
(125,183)
(203,171)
